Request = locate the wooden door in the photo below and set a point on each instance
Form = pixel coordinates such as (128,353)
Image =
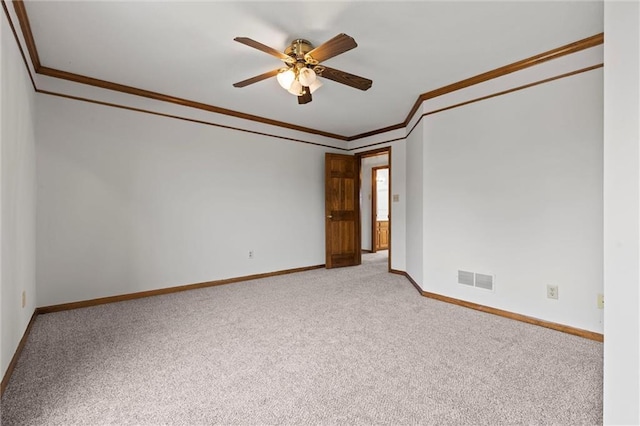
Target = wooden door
(382,235)
(342,210)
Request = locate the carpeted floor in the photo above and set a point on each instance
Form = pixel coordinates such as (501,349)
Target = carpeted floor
(344,346)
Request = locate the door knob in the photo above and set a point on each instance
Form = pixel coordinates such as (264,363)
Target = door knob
(329,217)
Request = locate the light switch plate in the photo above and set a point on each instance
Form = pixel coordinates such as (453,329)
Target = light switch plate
(600,301)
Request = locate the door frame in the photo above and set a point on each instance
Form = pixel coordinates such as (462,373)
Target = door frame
(373,153)
(374,203)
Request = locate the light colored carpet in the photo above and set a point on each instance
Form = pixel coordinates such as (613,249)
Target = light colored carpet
(344,346)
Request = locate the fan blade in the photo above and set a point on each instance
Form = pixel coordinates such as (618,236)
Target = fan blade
(344,77)
(305,98)
(266,49)
(257,78)
(337,45)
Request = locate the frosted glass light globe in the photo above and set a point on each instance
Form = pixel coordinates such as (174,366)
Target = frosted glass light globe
(306,76)
(315,85)
(296,88)
(285,78)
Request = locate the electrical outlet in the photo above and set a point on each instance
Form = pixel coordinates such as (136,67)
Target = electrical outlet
(600,301)
(552,291)
(250,254)
(24,298)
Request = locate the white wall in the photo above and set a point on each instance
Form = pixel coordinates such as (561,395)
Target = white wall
(130,202)
(414,203)
(621,214)
(368,163)
(513,187)
(398,208)
(17,212)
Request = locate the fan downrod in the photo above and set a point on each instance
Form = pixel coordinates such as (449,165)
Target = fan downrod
(298,49)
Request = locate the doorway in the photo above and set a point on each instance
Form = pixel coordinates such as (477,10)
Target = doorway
(375,203)
(379,208)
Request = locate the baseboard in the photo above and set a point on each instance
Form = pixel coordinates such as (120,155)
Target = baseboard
(130,296)
(411,280)
(103,300)
(511,315)
(16,355)
(168,290)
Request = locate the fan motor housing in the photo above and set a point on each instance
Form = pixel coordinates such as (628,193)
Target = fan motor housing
(299,47)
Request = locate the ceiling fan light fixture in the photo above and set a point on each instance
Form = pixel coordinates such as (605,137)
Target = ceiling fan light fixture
(286,77)
(302,67)
(306,76)
(315,85)
(296,88)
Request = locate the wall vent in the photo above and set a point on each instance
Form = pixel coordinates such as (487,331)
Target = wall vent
(474,279)
(465,278)
(484,281)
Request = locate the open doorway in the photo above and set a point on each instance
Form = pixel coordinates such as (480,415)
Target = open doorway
(380,208)
(375,203)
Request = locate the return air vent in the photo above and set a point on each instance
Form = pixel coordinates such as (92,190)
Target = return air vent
(484,281)
(475,279)
(465,278)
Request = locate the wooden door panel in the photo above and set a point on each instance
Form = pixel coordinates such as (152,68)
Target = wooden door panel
(382,235)
(341,197)
(344,241)
(342,218)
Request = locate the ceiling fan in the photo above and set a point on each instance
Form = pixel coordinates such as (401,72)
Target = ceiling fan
(302,66)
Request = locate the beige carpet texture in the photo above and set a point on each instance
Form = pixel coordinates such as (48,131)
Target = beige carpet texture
(323,347)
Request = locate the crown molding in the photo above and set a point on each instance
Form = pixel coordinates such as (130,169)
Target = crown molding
(556,53)
(187,119)
(23,19)
(559,52)
(64,75)
(25,26)
(482,98)
(15,35)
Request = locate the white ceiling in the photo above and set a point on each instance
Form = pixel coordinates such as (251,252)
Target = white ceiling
(186,49)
